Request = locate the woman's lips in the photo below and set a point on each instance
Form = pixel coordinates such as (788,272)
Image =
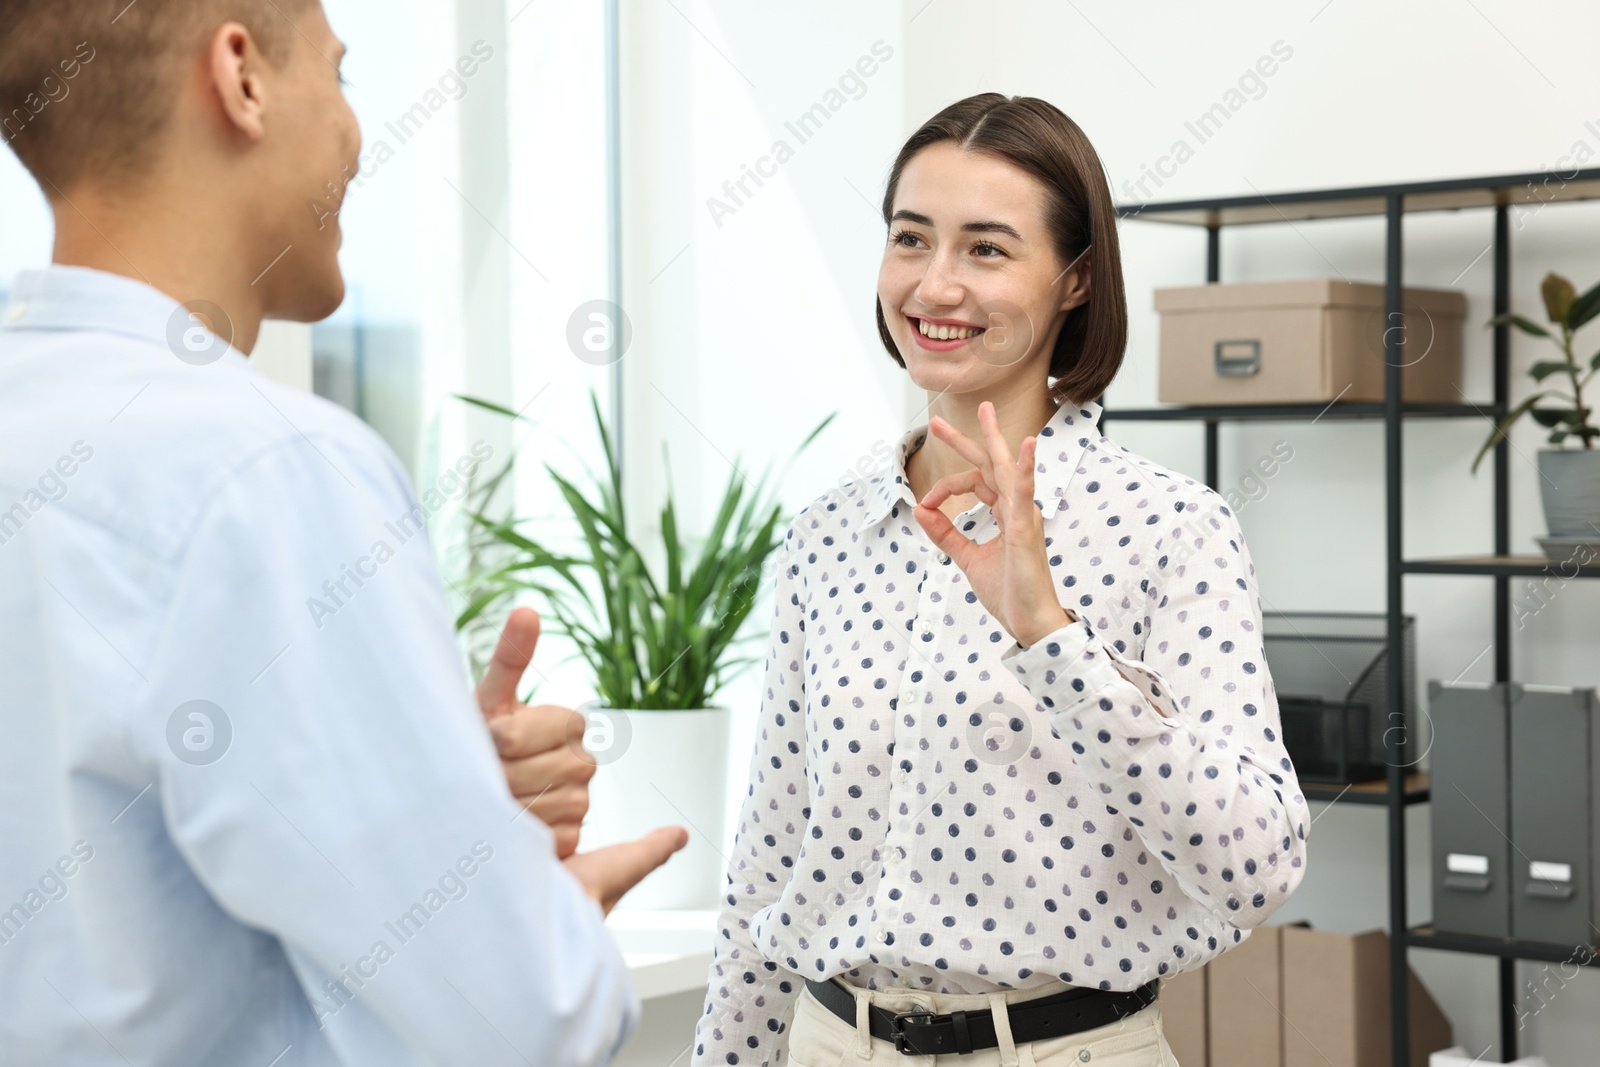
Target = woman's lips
(935,345)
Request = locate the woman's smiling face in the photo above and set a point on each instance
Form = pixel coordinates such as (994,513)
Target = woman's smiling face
(971,286)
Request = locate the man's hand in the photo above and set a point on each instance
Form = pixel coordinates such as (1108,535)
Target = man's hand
(541,747)
(607,873)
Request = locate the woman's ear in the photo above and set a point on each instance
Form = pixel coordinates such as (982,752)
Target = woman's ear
(1077,287)
(236,67)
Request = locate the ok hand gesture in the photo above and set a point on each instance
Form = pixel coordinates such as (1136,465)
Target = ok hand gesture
(1010,572)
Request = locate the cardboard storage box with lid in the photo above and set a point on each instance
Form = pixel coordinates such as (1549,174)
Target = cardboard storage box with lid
(1304,341)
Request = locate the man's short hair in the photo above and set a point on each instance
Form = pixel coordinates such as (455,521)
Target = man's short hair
(87,86)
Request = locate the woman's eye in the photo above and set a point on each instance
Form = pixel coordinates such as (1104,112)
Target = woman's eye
(984,248)
(904,238)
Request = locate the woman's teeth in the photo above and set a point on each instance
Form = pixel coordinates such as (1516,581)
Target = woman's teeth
(946,333)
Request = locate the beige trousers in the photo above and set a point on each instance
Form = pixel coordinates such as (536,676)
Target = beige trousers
(819,1038)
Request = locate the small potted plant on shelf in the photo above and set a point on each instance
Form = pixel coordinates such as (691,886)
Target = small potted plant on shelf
(660,648)
(1569,478)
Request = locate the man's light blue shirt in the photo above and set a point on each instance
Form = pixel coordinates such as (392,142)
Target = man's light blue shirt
(250,811)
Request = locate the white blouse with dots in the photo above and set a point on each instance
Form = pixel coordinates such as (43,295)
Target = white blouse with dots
(933,806)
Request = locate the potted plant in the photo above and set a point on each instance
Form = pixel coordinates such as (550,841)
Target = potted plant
(1569,479)
(659,646)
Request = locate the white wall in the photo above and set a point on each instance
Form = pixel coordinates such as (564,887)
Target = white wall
(283,353)
(748,332)
(750,327)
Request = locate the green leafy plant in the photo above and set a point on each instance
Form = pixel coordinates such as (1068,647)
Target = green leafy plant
(1565,414)
(483,553)
(652,643)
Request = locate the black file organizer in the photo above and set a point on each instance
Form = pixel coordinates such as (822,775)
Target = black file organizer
(1331,673)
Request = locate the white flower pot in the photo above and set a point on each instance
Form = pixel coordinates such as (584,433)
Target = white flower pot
(658,768)
(1569,485)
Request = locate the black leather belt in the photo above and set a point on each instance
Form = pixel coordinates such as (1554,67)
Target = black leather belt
(925,1033)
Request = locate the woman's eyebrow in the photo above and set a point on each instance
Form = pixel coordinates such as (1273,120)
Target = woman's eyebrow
(911,216)
(970,227)
(991,227)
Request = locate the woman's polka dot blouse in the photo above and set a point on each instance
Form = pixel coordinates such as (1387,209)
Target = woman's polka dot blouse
(933,806)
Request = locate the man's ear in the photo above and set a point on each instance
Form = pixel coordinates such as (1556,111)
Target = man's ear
(236,67)
(1077,287)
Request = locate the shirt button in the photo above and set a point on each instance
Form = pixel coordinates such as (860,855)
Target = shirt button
(898,855)
(944,557)
(882,936)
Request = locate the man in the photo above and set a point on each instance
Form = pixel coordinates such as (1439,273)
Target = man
(238,831)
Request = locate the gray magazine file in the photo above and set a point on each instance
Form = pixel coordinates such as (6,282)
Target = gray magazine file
(1555,812)
(1471,808)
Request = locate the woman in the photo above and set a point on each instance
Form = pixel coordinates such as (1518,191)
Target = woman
(1019,752)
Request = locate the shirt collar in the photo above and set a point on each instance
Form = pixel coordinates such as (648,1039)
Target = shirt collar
(81,298)
(1061,442)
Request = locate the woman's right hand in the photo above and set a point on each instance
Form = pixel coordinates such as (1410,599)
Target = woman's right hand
(1010,572)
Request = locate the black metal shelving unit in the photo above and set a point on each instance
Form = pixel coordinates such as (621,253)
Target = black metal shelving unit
(1498,194)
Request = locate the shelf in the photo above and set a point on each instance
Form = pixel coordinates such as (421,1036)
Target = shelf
(1504,947)
(1511,197)
(1530,566)
(1335,410)
(1417,788)
(1371,200)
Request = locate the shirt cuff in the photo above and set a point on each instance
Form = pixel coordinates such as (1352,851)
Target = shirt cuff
(1069,668)
(1064,656)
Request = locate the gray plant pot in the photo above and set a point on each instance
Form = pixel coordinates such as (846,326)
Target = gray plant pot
(1569,484)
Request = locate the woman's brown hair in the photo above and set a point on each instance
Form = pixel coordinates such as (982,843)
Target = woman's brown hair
(1035,135)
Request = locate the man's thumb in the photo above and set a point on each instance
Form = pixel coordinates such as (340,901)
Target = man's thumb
(497,692)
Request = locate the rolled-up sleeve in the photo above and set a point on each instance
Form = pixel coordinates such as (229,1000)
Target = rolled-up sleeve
(1185,742)
(749,999)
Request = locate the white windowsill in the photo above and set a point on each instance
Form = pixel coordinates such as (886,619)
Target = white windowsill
(667,951)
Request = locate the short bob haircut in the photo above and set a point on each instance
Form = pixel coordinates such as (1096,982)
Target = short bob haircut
(1036,136)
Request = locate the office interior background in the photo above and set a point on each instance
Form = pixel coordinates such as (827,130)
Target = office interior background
(590,157)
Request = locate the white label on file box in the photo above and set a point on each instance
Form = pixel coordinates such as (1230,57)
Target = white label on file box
(1464,864)
(1539,870)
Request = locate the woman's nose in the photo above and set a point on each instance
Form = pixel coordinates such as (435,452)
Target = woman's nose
(937,288)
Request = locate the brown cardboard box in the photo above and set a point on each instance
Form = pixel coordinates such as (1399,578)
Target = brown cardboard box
(1243,1005)
(1303,341)
(1336,1002)
(1183,1016)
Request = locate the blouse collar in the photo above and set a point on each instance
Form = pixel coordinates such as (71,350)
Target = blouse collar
(1061,443)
